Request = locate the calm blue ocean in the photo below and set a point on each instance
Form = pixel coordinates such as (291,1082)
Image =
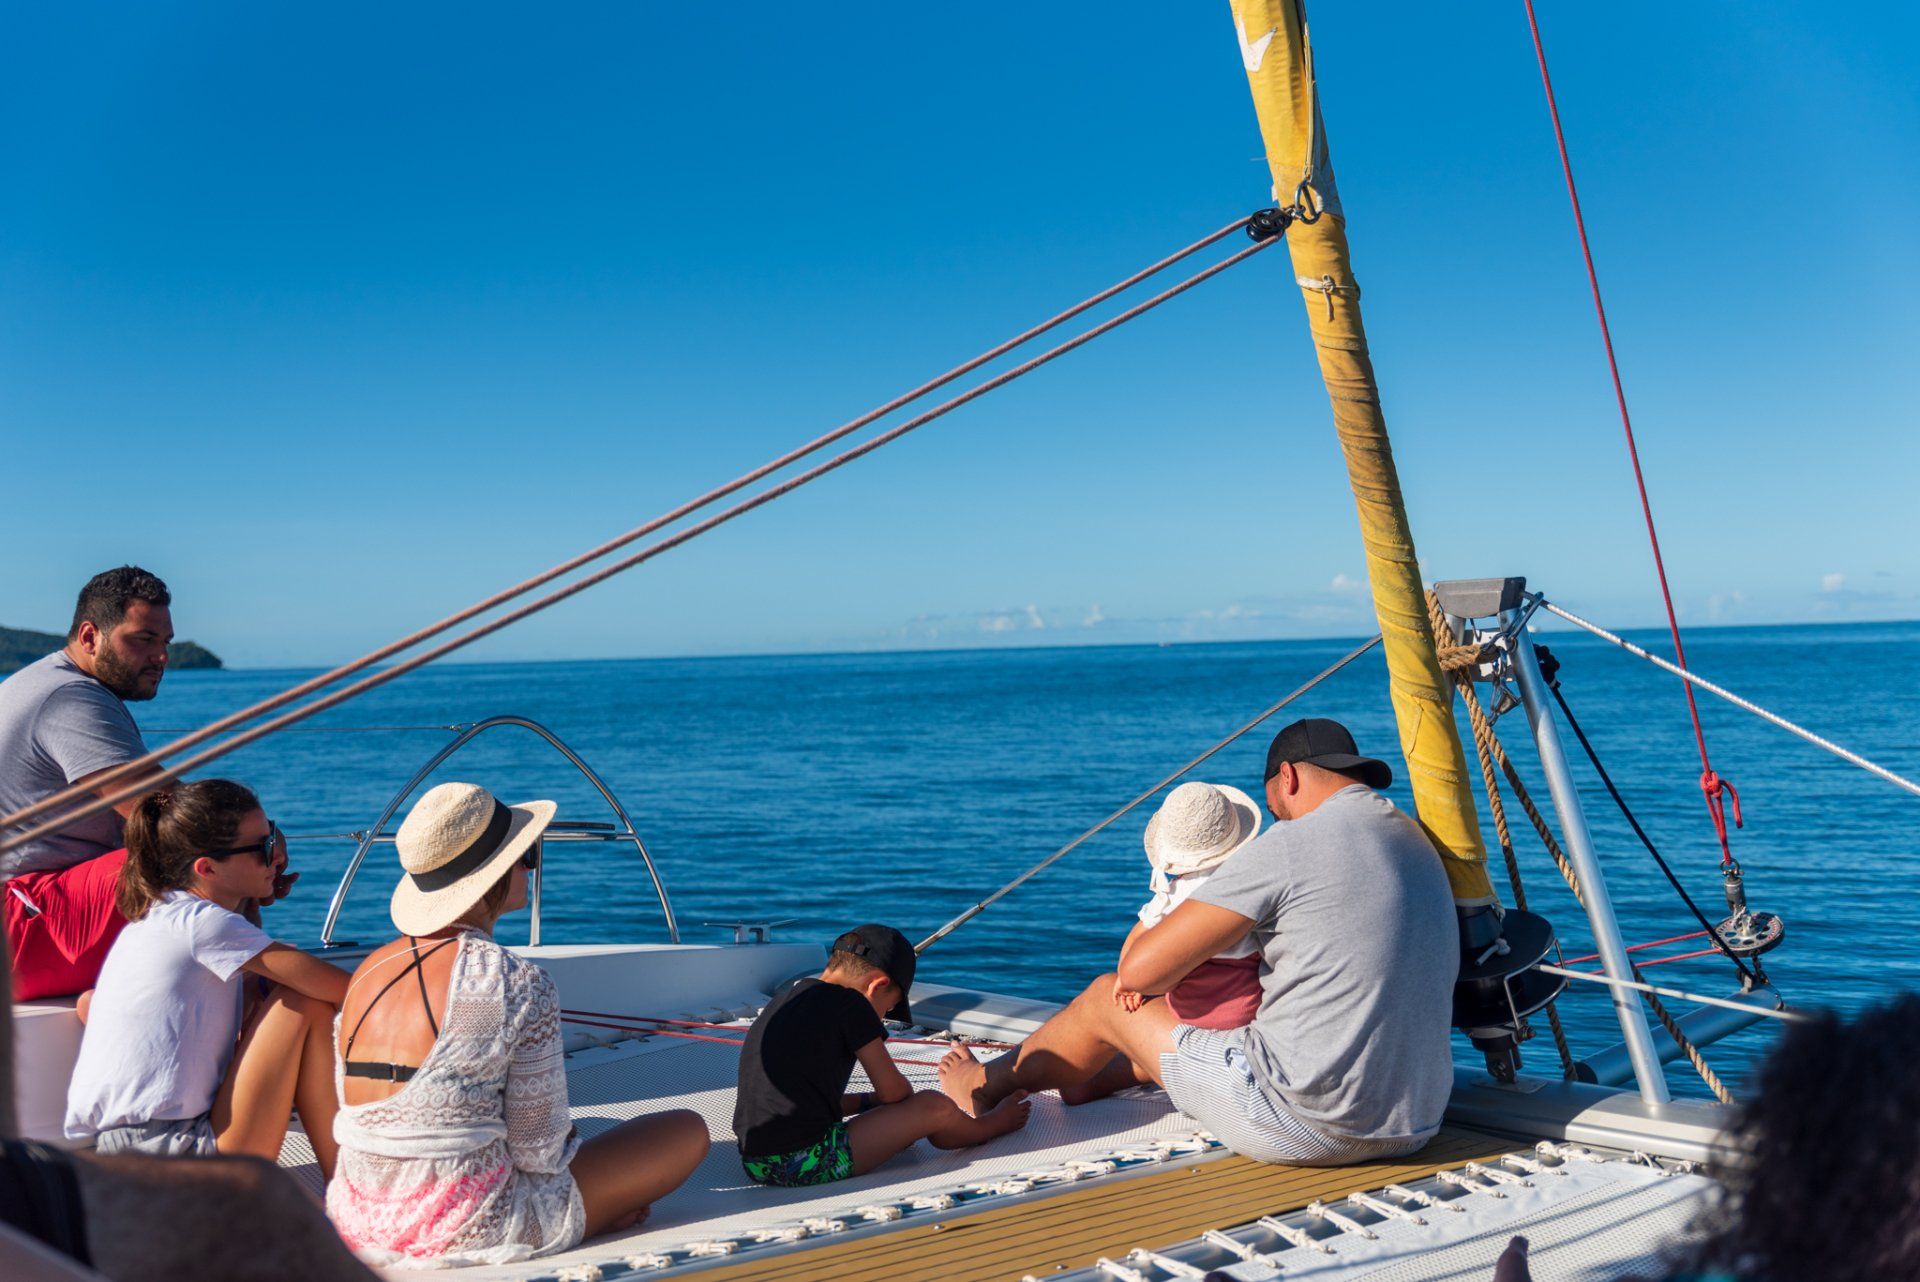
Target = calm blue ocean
(903,787)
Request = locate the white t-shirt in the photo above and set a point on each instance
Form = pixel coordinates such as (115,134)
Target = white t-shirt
(1169,892)
(165,1017)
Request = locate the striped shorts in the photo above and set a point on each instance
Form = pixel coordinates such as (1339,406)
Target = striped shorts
(1208,1078)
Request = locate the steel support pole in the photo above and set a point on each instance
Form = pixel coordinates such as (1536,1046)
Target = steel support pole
(1634,1031)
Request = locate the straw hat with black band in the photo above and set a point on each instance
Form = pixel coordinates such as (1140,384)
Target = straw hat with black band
(456,842)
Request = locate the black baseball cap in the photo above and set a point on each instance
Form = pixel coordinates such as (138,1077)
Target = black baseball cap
(887,949)
(1317,741)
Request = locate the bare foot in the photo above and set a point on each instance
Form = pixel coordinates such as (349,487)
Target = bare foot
(964,1079)
(1009,1115)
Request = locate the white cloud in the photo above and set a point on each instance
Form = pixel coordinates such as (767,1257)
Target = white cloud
(1095,616)
(1722,604)
(1831,583)
(1024,619)
(1346,583)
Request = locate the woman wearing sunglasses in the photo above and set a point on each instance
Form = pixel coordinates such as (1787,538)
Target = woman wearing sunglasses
(456,1145)
(176,1060)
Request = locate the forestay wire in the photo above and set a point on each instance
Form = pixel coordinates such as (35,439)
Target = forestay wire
(1746,705)
(1121,813)
(1265,227)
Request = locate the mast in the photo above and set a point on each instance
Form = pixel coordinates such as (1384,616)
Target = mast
(1279,62)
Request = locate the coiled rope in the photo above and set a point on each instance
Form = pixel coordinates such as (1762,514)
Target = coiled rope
(1267,235)
(1459,662)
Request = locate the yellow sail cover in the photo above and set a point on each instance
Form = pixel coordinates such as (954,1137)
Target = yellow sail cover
(1279,62)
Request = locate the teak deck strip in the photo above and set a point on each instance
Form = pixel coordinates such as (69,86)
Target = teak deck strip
(1074,1229)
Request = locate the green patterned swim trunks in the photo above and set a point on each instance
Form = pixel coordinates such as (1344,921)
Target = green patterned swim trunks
(828,1159)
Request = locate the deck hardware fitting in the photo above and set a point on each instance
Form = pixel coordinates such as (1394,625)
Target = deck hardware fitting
(651,1260)
(1385,1210)
(1166,1264)
(1346,1224)
(1234,1246)
(1497,1175)
(1293,1236)
(1461,1180)
(1427,1200)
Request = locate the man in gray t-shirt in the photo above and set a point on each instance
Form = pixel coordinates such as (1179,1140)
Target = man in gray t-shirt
(64,721)
(1348,1057)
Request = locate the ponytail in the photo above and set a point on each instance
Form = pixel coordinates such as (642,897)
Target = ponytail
(169,830)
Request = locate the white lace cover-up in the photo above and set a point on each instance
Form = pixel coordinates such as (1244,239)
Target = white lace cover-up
(467,1163)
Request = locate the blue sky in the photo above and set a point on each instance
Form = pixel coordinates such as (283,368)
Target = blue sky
(341,317)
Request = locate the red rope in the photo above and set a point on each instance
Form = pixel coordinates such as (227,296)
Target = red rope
(98,803)
(652,1027)
(1635,948)
(1711,784)
(1661,961)
(696,1023)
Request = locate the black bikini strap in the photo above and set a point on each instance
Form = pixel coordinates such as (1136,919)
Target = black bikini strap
(426,1002)
(415,966)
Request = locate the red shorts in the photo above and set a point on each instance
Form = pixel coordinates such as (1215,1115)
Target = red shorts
(1220,993)
(59,952)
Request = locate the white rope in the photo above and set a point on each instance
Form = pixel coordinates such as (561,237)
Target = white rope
(1113,818)
(1791,1016)
(1746,705)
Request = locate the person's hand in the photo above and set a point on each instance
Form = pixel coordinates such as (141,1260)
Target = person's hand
(1125,998)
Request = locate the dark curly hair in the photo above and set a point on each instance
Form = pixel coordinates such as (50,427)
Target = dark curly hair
(1830,1184)
(104,600)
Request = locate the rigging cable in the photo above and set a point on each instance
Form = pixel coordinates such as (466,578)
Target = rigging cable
(1745,705)
(1712,786)
(1271,225)
(1026,876)
(1747,977)
(1641,986)
(99,803)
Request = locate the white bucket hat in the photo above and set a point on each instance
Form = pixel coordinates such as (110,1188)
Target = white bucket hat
(456,842)
(1198,826)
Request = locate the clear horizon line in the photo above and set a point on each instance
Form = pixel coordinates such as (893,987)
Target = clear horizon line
(841,653)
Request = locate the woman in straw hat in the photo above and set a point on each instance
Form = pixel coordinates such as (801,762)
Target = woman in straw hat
(456,1146)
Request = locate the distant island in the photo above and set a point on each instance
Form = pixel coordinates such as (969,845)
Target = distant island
(19,647)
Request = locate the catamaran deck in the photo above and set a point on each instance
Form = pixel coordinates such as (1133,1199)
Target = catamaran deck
(1120,1179)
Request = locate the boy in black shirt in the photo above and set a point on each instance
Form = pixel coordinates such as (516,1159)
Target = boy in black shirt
(791,1110)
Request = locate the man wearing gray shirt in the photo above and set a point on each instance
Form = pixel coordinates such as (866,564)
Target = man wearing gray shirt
(1347,1058)
(64,721)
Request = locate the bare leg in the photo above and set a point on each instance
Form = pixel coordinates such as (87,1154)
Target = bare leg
(624,1171)
(1118,1075)
(285,1058)
(880,1133)
(1065,1051)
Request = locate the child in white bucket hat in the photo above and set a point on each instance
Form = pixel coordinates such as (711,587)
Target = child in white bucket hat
(1193,832)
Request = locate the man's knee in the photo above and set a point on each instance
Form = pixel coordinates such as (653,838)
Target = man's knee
(1099,993)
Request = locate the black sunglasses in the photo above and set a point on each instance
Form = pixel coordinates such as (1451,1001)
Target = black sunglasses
(263,850)
(530,857)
